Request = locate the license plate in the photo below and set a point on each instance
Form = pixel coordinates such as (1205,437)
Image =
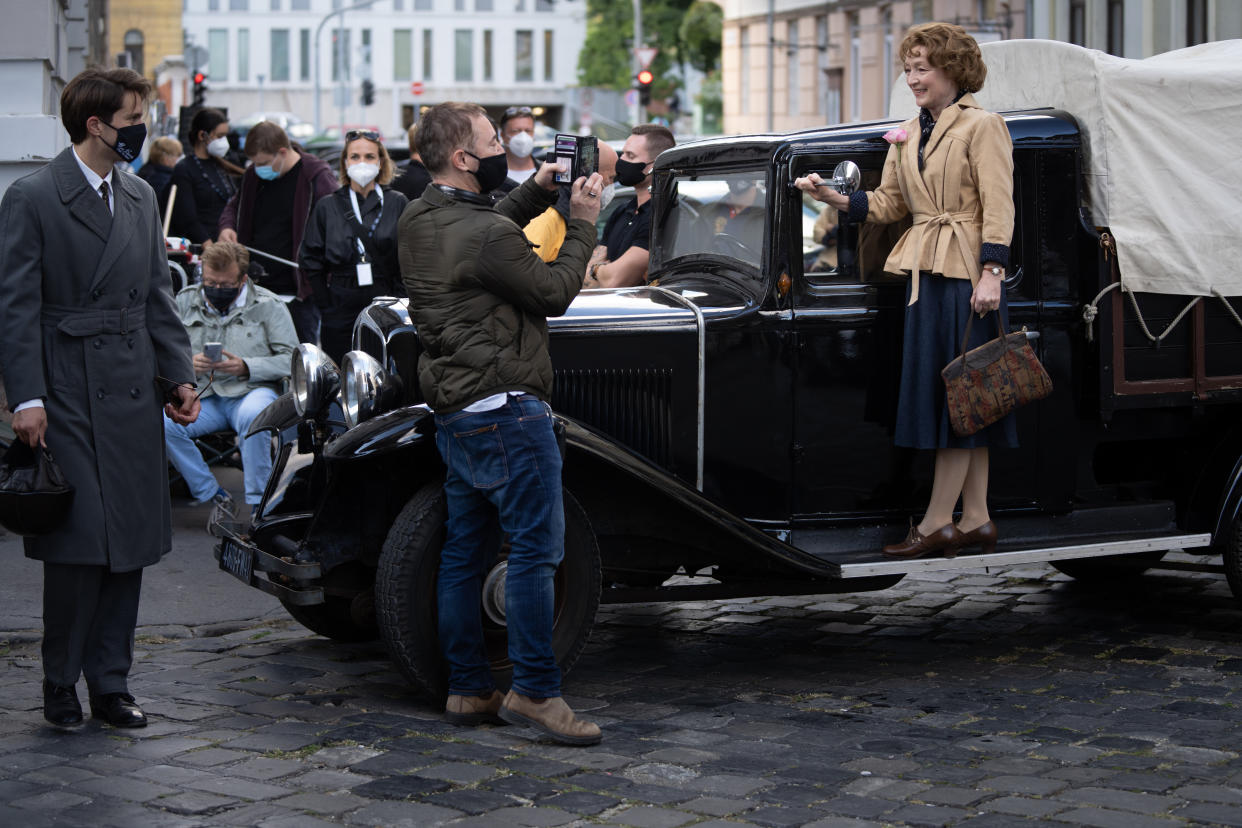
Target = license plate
(237,559)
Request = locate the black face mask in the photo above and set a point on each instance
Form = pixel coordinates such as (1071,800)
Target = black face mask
(221,298)
(630,173)
(492,171)
(129,140)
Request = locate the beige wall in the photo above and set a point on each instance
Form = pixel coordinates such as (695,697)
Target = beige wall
(160,24)
(749,111)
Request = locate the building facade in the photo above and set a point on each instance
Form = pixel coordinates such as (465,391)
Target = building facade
(43,44)
(261,55)
(142,34)
(792,64)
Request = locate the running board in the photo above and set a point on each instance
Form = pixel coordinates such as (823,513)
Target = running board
(890,566)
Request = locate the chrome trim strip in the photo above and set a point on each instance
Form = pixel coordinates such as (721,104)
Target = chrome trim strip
(1021,556)
(701,324)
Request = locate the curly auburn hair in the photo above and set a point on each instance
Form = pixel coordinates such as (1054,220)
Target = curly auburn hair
(948,48)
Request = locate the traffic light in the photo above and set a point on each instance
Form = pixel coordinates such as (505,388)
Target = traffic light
(200,88)
(368,92)
(644,79)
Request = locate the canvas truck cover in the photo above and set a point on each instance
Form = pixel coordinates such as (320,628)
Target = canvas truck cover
(1162,166)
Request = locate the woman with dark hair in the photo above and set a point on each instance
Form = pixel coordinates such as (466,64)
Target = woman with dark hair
(204,179)
(349,251)
(952,169)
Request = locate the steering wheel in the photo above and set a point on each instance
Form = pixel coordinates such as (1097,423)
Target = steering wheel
(727,245)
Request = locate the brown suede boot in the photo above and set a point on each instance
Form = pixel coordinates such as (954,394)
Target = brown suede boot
(552,716)
(474,710)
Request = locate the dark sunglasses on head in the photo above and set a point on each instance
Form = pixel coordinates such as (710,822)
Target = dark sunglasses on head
(355,134)
(516,112)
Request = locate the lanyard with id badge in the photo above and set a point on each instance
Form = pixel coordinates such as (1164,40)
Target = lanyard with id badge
(365,277)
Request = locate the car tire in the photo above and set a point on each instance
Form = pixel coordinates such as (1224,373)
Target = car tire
(405,594)
(1108,568)
(336,618)
(1231,557)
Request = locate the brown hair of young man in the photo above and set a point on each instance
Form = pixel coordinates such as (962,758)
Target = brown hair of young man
(99,93)
(659,138)
(266,137)
(443,129)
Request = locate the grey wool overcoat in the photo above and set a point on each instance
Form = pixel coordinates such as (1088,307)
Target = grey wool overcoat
(87,321)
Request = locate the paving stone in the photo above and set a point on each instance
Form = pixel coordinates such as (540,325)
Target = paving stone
(195,803)
(470,800)
(1120,800)
(458,773)
(534,817)
(239,788)
(50,801)
(400,787)
(644,816)
(124,787)
(580,802)
(1023,806)
(947,795)
(322,803)
(926,815)
(1214,813)
(400,815)
(1030,785)
(778,817)
(1114,819)
(716,806)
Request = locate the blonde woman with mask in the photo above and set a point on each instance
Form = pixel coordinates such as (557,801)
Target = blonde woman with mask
(349,252)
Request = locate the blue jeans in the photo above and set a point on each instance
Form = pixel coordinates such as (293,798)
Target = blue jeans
(220,414)
(504,475)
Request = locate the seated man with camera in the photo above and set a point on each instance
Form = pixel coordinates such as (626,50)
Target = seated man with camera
(242,339)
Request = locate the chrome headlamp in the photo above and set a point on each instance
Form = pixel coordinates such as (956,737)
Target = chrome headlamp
(315,380)
(366,388)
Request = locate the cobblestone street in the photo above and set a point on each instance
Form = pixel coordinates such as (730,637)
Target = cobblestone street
(1013,696)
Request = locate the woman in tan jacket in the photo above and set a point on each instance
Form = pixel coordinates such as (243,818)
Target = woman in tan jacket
(954,173)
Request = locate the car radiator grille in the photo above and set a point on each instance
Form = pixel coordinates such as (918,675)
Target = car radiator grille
(634,405)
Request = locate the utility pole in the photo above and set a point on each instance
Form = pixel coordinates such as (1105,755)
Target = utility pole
(361,4)
(637,114)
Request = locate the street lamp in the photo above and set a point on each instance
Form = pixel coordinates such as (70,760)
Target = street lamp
(361,4)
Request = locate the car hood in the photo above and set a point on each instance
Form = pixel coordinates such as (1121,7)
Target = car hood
(649,305)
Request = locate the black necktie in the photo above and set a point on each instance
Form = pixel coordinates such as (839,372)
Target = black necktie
(103,192)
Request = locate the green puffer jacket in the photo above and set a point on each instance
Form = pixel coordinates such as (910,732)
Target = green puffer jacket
(479,296)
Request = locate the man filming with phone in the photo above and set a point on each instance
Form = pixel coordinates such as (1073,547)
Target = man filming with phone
(242,339)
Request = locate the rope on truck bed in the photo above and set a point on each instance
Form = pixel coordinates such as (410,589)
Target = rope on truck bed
(1091,310)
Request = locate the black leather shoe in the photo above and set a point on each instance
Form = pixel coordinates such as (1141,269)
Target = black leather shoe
(118,710)
(60,705)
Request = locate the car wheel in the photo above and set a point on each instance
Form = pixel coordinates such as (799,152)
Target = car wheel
(405,593)
(1232,559)
(1108,568)
(341,619)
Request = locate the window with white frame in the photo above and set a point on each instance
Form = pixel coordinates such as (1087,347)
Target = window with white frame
(463,55)
(280,55)
(304,55)
(402,54)
(218,54)
(243,54)
(428,40)
(524,58)
(341,54)
(549,68)
(488,52)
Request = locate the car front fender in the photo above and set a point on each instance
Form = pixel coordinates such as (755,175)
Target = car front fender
(394,431)
(277,417)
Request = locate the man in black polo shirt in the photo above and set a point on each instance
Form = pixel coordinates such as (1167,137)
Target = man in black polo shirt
(622,258)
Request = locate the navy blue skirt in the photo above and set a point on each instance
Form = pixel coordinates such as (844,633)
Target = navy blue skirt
(933,337)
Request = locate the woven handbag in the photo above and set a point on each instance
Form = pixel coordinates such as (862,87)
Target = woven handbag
(983,385)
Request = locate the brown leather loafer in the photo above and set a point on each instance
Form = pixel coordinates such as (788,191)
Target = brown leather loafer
(916,545)
(474,710)
(552,716)
(984,536)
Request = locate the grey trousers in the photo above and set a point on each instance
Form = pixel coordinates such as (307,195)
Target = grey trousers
(89,615)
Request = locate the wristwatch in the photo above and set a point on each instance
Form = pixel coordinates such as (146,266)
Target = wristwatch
(997,271)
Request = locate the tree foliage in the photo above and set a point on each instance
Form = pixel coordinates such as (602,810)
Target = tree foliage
(700,34)
(606,60)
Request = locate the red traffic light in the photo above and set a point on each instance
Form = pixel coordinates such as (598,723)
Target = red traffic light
(199,77)
(645,77)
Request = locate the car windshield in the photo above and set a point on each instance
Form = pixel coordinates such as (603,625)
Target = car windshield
(720,214)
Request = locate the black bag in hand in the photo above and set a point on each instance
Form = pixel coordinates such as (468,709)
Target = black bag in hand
(34,496)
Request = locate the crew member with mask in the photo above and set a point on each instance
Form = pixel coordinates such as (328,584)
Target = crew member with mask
(546,231)
(621,259)
(203,179)
(256,334)
(349,252)
(517,134)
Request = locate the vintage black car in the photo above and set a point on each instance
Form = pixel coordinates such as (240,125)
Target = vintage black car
(731,423)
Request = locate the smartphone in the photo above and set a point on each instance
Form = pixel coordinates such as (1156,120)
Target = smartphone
(576,155)
(214,351)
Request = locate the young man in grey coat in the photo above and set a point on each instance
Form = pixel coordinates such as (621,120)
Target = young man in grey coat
(91,349)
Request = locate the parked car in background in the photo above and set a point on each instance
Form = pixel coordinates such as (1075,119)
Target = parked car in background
(297,129)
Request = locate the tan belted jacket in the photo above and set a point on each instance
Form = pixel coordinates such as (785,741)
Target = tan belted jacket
(962,199)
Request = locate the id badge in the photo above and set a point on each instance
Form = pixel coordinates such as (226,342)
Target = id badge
(364,274)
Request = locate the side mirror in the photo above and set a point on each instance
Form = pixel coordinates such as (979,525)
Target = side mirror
(846,178)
